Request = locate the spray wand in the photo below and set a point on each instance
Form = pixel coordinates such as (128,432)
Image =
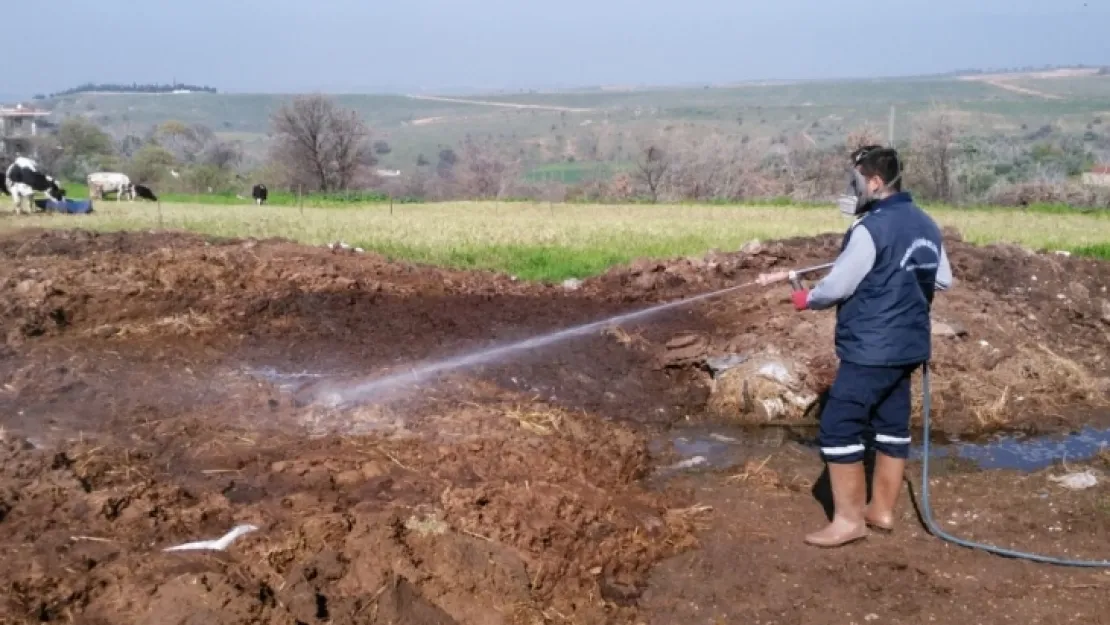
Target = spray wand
(794,276)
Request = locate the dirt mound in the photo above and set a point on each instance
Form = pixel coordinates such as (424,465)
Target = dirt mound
(524,521)
(152,387)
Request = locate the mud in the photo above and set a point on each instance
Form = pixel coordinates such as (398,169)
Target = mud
(153,391)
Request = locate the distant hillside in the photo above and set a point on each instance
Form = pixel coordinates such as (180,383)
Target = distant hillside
(605,125)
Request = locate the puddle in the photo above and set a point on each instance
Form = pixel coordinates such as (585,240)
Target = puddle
(723,448)
(1017,451)
(718,448)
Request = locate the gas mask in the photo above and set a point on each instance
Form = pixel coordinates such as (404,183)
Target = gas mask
(858,197)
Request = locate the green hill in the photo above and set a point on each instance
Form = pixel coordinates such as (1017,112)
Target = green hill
(560,127)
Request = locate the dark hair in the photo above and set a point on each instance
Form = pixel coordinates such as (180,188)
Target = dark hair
(881,162)
(862,151)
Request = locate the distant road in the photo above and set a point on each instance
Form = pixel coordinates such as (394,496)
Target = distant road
(1002,81)
(511,105)
(1024,90)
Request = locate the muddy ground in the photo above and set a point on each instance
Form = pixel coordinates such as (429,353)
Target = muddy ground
(159,388)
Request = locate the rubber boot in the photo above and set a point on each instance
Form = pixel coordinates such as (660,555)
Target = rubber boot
(886,485)
(849,490)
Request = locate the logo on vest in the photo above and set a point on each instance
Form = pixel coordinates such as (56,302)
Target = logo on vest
(910,264)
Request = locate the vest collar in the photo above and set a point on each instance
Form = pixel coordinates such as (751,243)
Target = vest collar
(902,197)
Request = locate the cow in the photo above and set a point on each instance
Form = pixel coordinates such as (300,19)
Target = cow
(259,193)
(22,179)
(143,191)
(110,182)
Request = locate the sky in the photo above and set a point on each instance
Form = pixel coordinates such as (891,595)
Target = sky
(488,45)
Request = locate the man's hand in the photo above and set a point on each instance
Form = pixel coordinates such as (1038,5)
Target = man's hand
(800,298)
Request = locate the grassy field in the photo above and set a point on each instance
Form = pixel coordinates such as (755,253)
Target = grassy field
(553,242)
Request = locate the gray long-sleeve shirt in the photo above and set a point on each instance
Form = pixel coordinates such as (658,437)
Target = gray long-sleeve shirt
(851,268)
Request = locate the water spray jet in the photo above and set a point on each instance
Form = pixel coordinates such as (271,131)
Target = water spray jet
(377,388)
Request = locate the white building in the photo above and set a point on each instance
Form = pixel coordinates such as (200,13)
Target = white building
(1099,176)
(18,128)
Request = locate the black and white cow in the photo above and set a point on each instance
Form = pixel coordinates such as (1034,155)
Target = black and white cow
(23,179)
(144,192)
(259,193)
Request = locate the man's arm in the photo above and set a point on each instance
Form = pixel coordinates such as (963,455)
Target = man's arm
(944,278)
(848,271)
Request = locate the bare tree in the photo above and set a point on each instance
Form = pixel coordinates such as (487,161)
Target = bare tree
(486,172)
(861,136)
(713,167)
(650,169)
(223,155)
(320,145)
(816,173)
(933,154)
(185,141)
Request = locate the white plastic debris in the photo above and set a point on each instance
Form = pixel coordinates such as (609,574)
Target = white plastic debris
(219,544)
(776,371)
(1079,480)
(719,364)
(572,284)
(1063,253)
(690,463)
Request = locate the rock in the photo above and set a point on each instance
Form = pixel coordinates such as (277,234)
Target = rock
(645,281)
(572,284)
(373,469)
(645,265)
(349,478)
(695,263)
(25,287)
(104,332)
(685,349)
(947,329)
(1106,312)
(1079,292)
(753,247)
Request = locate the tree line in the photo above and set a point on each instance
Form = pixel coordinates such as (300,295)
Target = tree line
(134,87)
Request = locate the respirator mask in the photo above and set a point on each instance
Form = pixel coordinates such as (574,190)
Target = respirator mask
(858,197)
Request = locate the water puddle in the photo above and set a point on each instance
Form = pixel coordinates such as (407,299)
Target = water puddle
(717,448)
(724,448)
(1025,453)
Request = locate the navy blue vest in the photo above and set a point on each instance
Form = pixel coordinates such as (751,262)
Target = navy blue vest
(886,321)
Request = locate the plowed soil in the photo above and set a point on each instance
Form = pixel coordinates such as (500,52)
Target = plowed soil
(161,388)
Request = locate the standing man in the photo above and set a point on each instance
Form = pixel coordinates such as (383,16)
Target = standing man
(891,262)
